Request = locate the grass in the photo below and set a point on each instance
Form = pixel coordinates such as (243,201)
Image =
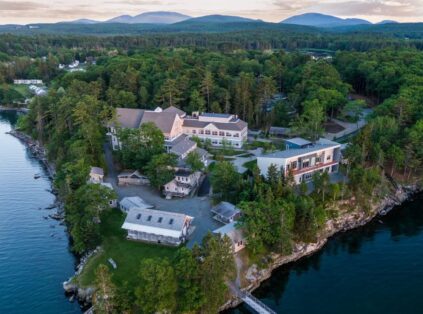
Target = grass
(127,254)
(22,89)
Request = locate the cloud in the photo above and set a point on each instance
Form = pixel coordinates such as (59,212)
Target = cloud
(20,6)
(400,8)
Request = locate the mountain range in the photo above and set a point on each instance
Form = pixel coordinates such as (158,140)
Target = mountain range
(163,17)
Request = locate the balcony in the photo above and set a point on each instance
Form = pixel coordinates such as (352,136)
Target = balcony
(315,167)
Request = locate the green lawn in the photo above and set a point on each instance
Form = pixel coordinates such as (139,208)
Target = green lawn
(250,164)
(127,254)
(23,90)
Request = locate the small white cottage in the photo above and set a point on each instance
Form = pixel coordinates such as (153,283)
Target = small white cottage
(96,175)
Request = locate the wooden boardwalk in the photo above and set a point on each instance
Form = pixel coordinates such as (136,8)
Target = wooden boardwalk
(254,303)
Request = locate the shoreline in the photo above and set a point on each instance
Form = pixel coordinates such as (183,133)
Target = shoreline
(333,227)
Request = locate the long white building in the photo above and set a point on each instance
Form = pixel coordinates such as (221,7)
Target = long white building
(173,122)
(304,161)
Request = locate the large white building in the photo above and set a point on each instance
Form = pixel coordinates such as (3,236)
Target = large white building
(174,123)
(304,159)
(157,226)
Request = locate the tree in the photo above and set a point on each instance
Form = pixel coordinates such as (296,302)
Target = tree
(196,102)
(160,170)
(321,182)
(156,291)
(193,160)
(140,145)
(187,272)
(225,180)
(310,123)
(104,295)
(207,87)
(217,267)
(83,208)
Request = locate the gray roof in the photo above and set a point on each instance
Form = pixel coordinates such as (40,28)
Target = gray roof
(173,109)
(278,130)
(236,125)
(134,202)
(129,118)
(183,173)
(321,144)
(130,173)
(182,147)
(151,218)
(163,120)
(97,170)
(226,210)
(231,230)
(298,141)
(202,153)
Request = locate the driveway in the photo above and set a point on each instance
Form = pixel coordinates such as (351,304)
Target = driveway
(197,207)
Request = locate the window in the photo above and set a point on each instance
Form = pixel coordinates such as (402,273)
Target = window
(318,159)
(160,219)
(221,133)
(139,216)
(328,158)
(207,132)
(306,164)
(236,135)
(149,218)
(294,165)
(201,132)
(171,221)
(214,132)
(194,132)
(228,134)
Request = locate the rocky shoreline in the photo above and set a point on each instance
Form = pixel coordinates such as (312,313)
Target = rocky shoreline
(256,276)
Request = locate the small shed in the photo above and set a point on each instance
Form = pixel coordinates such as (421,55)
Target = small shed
(278,131)
(128,203)
(235,234)
(297,142)
(226,212)
(96,175)
(132,177)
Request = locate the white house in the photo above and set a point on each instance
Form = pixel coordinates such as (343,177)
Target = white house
(133,202)
(28,82)
(157,226)
(235,234)
(96,175)
(182,185)
(303,162)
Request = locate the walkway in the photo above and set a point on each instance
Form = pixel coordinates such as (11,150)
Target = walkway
(349,128)
(254,303)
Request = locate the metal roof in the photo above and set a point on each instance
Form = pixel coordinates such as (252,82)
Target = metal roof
(134,202)
(156,221)
(97,170)
(298,141)
(226,210)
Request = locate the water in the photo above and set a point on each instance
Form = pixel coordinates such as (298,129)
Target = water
(374,269)
(34,252)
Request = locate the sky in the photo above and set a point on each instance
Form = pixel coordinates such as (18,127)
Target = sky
(48,11)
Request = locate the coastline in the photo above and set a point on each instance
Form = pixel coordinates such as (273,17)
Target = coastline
(256,276)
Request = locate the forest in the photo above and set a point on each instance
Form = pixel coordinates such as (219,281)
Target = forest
(237,78)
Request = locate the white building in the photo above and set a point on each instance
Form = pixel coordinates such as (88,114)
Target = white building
(28,82)
(157,226)
(173,122)
(235,234)
(303,162)
(114,202)
(132,177)
(133,202)
(96,175)
(183,184)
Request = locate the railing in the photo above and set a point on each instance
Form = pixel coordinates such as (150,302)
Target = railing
(251,301)
(318,166)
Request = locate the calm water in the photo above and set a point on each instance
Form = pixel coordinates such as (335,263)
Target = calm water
(34,253)
(374,269)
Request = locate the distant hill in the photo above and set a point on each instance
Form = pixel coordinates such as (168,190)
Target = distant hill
(323,20)
(82,21)
(151,18)
(219,19)
(387,22)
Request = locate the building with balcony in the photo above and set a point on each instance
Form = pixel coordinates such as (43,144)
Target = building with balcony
(303,162)
(183,184)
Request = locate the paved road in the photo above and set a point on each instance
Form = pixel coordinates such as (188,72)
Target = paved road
(197,207)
